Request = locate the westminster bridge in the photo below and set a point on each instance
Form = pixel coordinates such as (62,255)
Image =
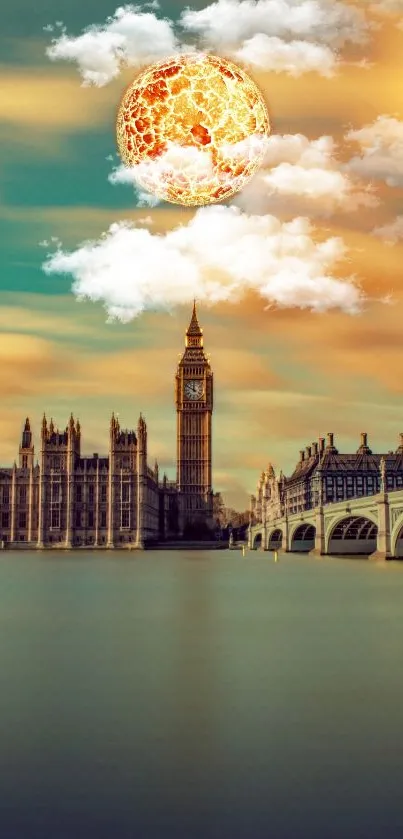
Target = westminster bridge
(371,525)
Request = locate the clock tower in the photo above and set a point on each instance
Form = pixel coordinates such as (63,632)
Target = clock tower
(194,406)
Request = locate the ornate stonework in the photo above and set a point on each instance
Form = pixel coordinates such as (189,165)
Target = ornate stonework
(194,407)
(395,514)
(68,500)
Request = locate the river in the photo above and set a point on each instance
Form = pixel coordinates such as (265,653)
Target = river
(200,695)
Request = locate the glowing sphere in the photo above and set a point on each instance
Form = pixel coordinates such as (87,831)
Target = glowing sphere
(195,128)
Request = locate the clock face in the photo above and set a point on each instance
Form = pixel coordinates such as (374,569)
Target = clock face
(193,389)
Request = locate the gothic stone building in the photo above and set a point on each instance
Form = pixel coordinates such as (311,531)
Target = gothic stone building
(69,500)
(323,475)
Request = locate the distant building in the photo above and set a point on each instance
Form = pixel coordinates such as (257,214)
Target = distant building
(69,500)
(323,475)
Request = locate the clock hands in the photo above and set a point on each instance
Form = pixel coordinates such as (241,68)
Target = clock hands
(194,389)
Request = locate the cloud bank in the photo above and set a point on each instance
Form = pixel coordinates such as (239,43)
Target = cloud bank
(275,35)
(293,57)
(392,233)
(219,255)
(130,37)
(298,176)
(381,156)
(303,177)
(229,22)
(188,165)
(389,7)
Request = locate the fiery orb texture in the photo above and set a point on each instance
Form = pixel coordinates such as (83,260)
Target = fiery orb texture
(195,128)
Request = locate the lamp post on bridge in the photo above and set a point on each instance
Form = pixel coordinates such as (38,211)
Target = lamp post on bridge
(264,522)
(382,469)
(383,539)
(287,546)
(320,547)
(251,517)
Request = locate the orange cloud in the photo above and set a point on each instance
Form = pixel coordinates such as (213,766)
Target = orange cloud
(46,102)
(74,224)
(28,363)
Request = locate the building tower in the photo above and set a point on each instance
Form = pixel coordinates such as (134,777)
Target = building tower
(194,406)
(26,450)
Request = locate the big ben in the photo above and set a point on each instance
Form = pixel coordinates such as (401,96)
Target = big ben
(194,406)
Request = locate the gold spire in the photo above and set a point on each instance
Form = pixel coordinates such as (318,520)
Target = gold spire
(194,334)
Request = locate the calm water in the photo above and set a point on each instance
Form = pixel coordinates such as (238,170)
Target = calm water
(200,695)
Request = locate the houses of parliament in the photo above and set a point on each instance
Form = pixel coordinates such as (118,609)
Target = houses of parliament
(67,500)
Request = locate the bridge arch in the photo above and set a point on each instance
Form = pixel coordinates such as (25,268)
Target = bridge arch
(352,534)
(257,541)
(303,538)
(396,541)
(275,540)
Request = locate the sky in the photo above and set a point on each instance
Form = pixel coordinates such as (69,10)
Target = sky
(298,277)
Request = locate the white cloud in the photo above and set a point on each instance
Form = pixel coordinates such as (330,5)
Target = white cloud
(288,179)
(188,161)
(122,174)
(228,22)
(301,176)
(381,151)
(187,166)
(296,148)
(147,199)
(130,37)
(295,57)
(217,256)
(392,232)
(277,35)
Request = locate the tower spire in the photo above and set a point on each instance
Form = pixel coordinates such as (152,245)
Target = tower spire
(26,450)
(194,334)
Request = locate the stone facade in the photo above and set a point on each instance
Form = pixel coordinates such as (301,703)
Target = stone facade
(324,476)
(194,407)
(67,500)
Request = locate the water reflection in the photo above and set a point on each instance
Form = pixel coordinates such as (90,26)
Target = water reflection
(200,696)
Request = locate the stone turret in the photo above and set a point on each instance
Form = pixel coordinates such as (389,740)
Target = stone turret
(42,484)
(26,449)
(141,481)
(73,451)
(113,432)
